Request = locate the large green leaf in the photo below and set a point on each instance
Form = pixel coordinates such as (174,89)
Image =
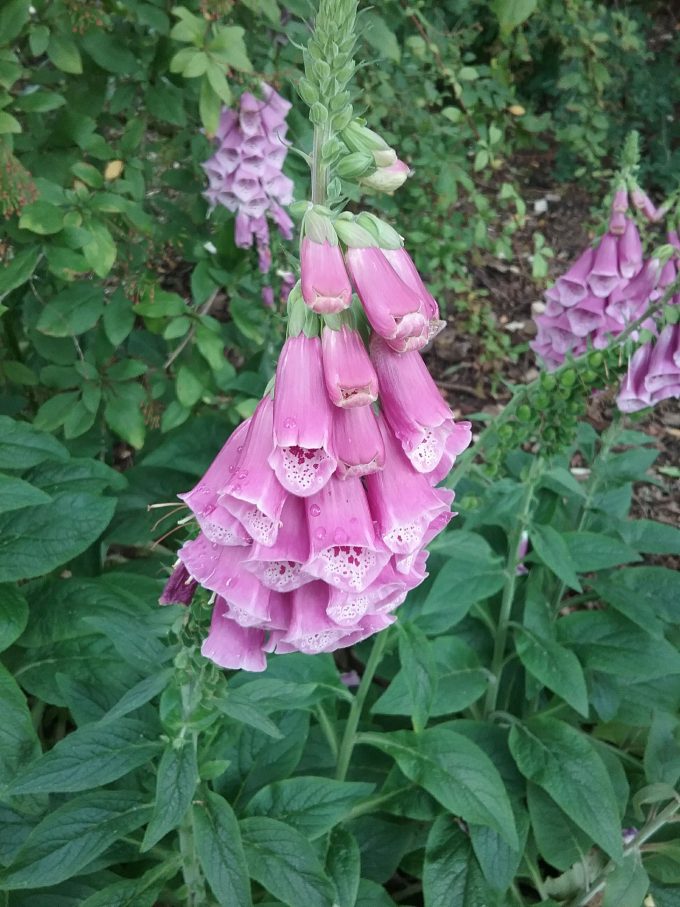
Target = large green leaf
(176,782)
(310,804)
(89,757)
(73,835)
(220,851)
(13,614)
(560,842)
(549,545)
(643,594)
(627,884)
(73,311)
(343,865)
(591,551)
(555,667)
(456,772)
(18,739)
(35,540)
(284,862)
(15,494)
(419,669)
(22,446)
(562,761)
(451,873)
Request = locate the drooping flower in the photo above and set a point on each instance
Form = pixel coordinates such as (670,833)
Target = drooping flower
(604,275)
(357,442)
(403,264)
(301,457)
(393,309)
(244,173)
(325,284)
(348,371)
(416,411)
(180,587)
(344,549)
(232,646)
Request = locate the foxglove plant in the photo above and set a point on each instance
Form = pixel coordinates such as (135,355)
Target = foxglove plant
(244,173)
(315,514)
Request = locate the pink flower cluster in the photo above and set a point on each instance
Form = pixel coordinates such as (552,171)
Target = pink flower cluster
(315,514)
(607,287)
(653,372)
(245,172)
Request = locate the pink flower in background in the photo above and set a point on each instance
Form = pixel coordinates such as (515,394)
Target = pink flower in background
(244,174)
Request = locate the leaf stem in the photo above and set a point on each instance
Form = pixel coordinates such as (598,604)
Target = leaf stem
(508,596)
(349,737)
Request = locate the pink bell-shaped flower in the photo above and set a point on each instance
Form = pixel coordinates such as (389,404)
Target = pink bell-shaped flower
(663,375)
(604,275)
(231,646)
(630,251)
(403,264)
(416,411)
(280,566)
(403,503)
(357,442)
(325,284)
(393,309)
(633,395)
(252,494)
(573,286)
(348,371)
(587,316)
(302,458)
(310,630)
(343,547)
(216,522)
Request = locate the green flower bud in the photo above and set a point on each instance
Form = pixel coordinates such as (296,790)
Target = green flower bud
(354,165)
(568,378)
(387,236)
(595,359)
(307,92)
(548,382)
(318,114)
(524,413)
(353,234)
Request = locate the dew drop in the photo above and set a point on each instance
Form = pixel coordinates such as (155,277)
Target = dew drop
(315,510)
(289,423)
(243,474)
(340,535)
(320,533)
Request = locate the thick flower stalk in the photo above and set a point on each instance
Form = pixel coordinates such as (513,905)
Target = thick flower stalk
(244,173)
(315,516)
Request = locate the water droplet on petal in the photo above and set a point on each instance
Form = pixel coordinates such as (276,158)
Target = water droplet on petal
(320,533)
(289,423)
(340,536)
(243,474)
(315,510)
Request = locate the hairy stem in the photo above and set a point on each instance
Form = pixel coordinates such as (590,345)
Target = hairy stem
(350,735)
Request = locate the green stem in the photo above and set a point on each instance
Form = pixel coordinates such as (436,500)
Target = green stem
(191,870)
(328,729)
(319,169)
(350,735)
(666,815)
(508,596)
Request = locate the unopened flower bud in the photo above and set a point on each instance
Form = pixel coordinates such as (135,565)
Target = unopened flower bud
(387,179)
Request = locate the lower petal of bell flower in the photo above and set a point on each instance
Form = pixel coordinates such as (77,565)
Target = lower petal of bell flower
(458,440)
(280,566)
(302,471)
(357,442)
(262,527)
(203,497)
(231,646)
(310,630)
(344,550)
(222,527)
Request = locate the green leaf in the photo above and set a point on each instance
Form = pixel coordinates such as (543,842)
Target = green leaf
(662,753)
(498,861)
(456,772)
(648,536)
(512,13)
(73,311)
(229,46)
(119,318)
(35,540)
(555,667)
(40,102)
(91,756)
(189,387)
(311,805)
(284,863)
(72,836)
(209,107)
(176,782)
(13,615)
(139,695)
(161,304)
(562,761)
(109,53)
(240,709)
(643,594)
(380,36)
(13,16)
(461,680)
(559,840)
(23,446)
(18,270)
(607,642)
(55,411)
(211,347)
(220,851)
(100,250)
(42,218)
(552,549)
(123,413)
(470,574)
(590,551)
(10,124)
(451,874)
(627,884)
(343,866)
(63,52)
(18,739)
(15,494)
(418,665)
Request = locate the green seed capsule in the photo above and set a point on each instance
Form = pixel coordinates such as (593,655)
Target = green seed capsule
(542,400)
(548,382)
(595,359)
(524,413)
(568,378)
(589,376)
(505,432)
